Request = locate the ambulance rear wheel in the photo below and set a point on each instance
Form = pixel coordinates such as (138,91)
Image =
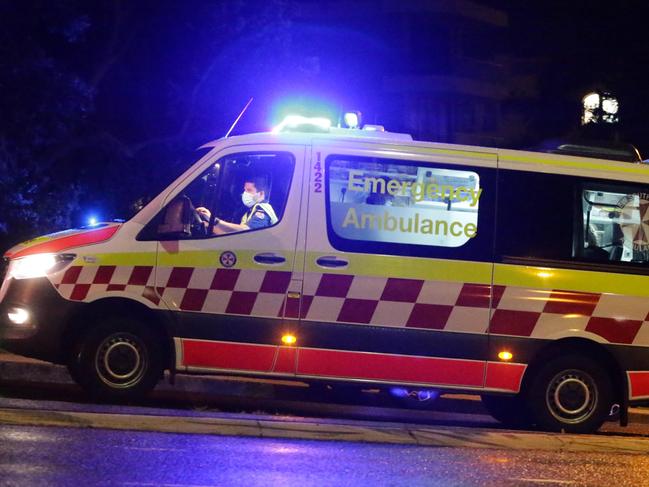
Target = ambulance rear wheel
(572,394)
(119,359)
(508,410)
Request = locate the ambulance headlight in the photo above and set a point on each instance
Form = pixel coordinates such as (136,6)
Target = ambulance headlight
(38,265)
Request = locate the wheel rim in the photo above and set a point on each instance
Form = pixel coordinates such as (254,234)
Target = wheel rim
(572,396)
(121,360)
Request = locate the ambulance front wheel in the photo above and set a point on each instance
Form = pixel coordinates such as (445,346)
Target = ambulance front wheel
(572,393)
(118,359)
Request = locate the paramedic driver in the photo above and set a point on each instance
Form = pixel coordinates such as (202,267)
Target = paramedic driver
(260,213)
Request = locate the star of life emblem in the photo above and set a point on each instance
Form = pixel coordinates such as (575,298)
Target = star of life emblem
(228,259)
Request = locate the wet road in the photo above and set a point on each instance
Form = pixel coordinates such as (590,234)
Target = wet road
(90,455)
(37,456)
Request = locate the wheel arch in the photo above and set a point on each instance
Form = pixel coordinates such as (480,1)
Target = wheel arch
(580,346)
(87,316)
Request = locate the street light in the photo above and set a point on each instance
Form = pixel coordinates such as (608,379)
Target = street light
(599,106)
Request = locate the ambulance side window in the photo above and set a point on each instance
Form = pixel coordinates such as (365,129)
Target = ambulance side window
(614,223)
(554,219)
(408,208)
(217,194)
(535,214)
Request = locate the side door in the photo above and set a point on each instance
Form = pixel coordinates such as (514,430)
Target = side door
(398,266)
(228,290)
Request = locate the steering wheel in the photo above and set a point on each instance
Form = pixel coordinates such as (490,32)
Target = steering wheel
(198,226)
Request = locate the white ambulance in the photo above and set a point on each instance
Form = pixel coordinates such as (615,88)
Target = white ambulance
(360,256)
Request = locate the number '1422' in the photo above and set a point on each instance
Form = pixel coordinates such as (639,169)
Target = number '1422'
(317,176)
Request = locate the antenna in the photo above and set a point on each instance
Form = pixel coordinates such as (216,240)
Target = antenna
(238,118)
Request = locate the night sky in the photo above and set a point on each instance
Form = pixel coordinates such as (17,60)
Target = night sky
(104,102)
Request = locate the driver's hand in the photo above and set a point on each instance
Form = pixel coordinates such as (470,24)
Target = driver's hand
(204,213)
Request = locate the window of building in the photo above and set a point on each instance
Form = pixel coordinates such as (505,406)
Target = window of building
(405,208)
(240,192)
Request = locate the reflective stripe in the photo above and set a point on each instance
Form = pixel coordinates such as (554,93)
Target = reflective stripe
(210,258)
(504,376)
(187,258)
(638,384)
(571,280)
(406,267)
(410,268)
(582,164)
(123,258)
(393,368)
(68,242)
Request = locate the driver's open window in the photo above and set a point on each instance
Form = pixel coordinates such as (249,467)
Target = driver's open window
(615,224)
(213,204)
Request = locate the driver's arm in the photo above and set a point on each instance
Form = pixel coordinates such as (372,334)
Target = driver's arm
(221,227)
(259,219)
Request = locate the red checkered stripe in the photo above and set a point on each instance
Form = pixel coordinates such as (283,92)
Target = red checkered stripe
(82,283)
(437,305)
(547,313)
(394,302)
(208,290)
(464,307)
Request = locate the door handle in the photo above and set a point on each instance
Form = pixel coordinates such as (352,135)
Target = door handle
(268,258)
(331,261)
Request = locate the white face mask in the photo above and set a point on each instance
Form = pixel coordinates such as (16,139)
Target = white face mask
(248,199)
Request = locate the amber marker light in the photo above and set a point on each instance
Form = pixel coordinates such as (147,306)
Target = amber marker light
(288,339)
(505,355)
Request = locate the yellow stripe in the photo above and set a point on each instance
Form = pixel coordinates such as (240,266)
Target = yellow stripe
(613,166)
(122,258)
(571,280)
(491,156)
(406,267)
(184,259)
(210,258)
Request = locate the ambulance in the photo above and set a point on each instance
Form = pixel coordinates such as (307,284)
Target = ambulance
(359,257)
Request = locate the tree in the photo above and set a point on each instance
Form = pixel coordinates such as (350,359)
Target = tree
(42,103)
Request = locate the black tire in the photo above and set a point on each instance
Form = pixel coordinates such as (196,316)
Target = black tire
(118,359)
(73,362)
(571,393)
(508,410)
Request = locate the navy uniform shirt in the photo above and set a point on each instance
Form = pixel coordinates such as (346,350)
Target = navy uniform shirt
(257,217)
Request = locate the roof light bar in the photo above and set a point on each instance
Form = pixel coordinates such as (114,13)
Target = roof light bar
(298,123)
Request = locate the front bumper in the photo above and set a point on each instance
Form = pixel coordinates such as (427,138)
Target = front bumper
(41,335)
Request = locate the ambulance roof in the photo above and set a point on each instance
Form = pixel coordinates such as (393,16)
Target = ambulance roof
(403,143)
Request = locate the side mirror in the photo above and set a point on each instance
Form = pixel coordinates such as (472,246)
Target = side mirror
(177,219)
